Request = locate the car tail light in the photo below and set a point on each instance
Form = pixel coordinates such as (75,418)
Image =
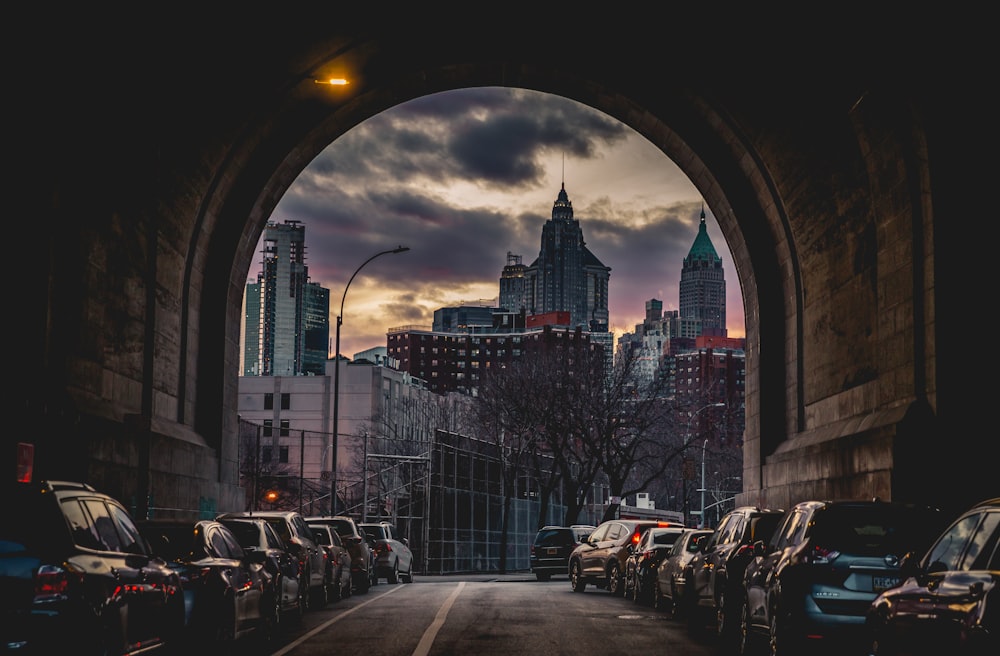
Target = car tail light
(51,581)
(386,547)
(819,555)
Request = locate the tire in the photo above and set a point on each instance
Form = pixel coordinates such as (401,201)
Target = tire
(271,622)
(659,600)
(393,576)
(636,590)
(615,583)
(320,596)
(724,620)
(409,575)
(744,642)
(225,630)
(362,583)
(781,640)
(576,579)
(305,596)
(336,587)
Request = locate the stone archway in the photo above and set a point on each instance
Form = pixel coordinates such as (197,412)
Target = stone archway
(822,184)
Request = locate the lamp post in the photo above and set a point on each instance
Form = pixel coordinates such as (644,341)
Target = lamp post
(701,517)
(336,380)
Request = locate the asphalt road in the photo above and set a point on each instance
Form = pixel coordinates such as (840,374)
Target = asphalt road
(485,615)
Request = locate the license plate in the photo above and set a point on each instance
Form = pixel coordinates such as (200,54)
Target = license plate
(880,583)
(552,551)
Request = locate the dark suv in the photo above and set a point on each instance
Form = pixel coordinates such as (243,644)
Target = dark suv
(949,599)
(73,566)
(552,546)
(812,582)
(714,589)
(601,558)
(362,552)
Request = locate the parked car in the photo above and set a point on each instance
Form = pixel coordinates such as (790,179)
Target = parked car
(228,593)
(552,546)
(393,558)
(715,584)
(810,585)
(299,540)
(338,564)
(949,600)
(600,560)
(255,534)
(640,566)
(362,553)
(673,572)
(72,564)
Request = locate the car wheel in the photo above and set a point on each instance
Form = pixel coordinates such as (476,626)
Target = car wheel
(320,597)
(305,594)
(225,630)
(409,575)
(271,621)
(362,583)
(576,578)
(781,640)
(658,598)
(393,576)
(615,582)
(336,587)
(636,590)
(722,620)
(744,645)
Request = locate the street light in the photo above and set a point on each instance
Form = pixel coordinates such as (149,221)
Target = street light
(701,517)
(336,380)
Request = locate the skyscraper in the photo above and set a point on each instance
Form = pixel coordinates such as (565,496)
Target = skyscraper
(512,292)
(287,330)
(566,276)
(703,285)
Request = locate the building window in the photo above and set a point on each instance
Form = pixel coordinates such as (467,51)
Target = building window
(268,425)
(283,454)
(269,401)
(286,401)
(283,432)
(265,454)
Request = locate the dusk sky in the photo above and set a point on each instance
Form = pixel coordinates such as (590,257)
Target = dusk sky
(461,178)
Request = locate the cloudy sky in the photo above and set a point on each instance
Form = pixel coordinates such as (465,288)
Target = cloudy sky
(464,177)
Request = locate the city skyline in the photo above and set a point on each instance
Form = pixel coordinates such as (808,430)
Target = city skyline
(464,177)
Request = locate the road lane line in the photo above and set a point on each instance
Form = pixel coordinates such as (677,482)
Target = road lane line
(292,645)
(424,647)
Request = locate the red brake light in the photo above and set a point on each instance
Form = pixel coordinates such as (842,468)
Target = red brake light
(820,555)
(50,581)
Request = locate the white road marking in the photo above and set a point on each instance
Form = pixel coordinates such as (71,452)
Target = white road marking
(424,647)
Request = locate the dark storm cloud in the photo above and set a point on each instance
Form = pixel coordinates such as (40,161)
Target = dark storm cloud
(425,174)
(489,137)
